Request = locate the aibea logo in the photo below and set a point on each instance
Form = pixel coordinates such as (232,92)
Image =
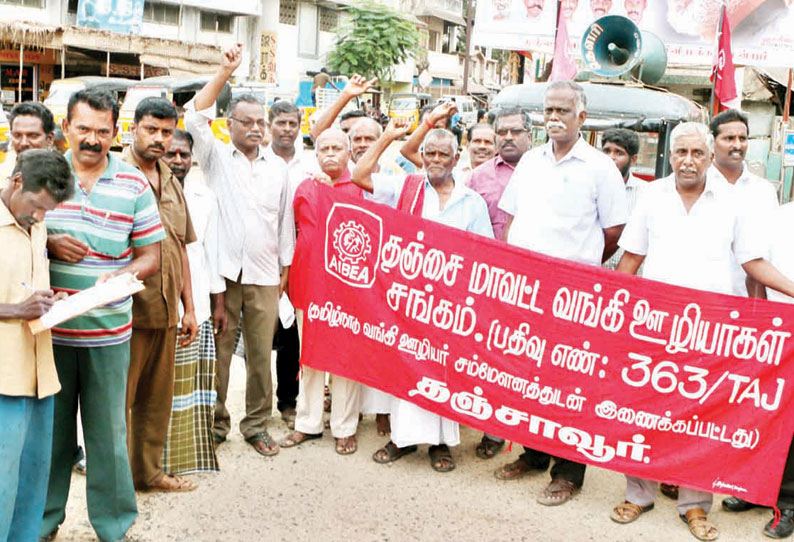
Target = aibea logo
(352,244)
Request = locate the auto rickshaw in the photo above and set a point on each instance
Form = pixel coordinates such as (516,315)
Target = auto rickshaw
(407,106)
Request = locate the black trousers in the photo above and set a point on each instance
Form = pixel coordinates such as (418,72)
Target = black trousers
(563,468)
(785,499)
(288,349)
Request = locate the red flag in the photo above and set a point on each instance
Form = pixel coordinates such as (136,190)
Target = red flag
(722,73)
(564,66)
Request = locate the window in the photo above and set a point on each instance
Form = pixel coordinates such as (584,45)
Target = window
(288,12)
(216,22)
(432,44)
(329,19)
(25,3)
(71,7)
(307,30)
(160,13)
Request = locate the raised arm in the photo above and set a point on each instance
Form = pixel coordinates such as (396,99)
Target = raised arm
(411,148)
(230,61)
(362,174)
(357,86)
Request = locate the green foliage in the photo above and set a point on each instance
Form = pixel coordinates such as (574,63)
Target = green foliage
(375,39)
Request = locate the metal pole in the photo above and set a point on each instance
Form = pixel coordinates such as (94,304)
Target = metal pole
(63,62)
(107,65)
(783,127)
(713,98)
(466,57)
(142,70)
(19,82)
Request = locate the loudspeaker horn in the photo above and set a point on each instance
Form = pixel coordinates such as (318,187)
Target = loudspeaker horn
(611,46)
(653,60)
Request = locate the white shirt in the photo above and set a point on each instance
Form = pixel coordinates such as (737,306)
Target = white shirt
(780,253)
(561,208)
(634,186)
(695,250)
(759,200)
(257,229)
(299,168)
(203,254)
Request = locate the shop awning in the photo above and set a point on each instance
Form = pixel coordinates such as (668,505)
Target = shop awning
(443,15)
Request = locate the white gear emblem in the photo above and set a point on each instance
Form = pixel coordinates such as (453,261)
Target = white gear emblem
(351,242)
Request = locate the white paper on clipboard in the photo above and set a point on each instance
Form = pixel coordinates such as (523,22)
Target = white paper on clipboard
(286,312)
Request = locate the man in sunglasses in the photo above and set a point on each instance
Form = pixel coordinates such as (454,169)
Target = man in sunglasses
(256,243)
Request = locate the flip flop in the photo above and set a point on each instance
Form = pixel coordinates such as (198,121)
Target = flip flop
(341,445)
(626,512)
(293,439)
(392,453)
(487,448)
(182,485)
(437,455)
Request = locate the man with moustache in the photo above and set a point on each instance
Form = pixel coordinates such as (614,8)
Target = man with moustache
(333,153)
(256,241)
(445,200)
(635,9)
(534,8)
(599,8)
(482,146)
(663,235)
(565,199)
(730,130)
(155,310)
(189,446)
(31,126)
(109,226)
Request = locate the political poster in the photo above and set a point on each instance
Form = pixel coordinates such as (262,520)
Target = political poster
(121,16)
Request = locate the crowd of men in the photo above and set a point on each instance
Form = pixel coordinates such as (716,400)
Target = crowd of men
(151,373)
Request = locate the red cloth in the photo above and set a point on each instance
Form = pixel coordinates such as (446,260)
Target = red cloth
(412,196)
(725,85)
(305,219)
(649,379)
(563,67)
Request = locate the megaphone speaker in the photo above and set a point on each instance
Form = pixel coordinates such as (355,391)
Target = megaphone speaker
(611,46)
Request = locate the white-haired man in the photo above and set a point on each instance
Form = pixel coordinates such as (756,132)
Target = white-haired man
(437,196)
(687,229)
(333,152)
(565,199)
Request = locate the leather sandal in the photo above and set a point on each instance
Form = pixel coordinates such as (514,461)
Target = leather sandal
(699,524)
(296,437)
(391,453)
(488,448)
(669,490)
(559,491)
(626,512)
(346,445)
(513,471)
(263,443)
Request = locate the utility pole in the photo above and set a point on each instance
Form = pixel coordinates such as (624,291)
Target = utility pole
(467,55)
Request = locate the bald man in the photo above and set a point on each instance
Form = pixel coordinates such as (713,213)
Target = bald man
(333,153)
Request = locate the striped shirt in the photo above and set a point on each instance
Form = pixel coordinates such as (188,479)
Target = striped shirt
(118,214)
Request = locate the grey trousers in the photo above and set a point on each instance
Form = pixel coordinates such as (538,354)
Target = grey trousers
(643,492)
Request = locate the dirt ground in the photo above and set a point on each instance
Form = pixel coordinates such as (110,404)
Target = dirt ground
(310,492)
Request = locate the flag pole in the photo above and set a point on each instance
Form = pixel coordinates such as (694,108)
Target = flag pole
(713,99)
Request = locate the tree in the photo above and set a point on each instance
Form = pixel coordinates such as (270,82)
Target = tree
(375,39)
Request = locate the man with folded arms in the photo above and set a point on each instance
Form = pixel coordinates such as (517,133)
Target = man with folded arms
(687,230)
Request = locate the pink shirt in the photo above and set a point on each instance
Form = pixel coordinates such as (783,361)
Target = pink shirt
(489,180)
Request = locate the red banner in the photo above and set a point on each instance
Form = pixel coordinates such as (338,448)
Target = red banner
(636,376)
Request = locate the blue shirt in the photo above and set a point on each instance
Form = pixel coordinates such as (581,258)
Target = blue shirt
(465,209)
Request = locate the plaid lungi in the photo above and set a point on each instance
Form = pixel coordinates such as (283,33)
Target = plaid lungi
(189,446)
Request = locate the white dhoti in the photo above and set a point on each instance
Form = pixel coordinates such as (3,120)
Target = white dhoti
(411,424)
(374,401)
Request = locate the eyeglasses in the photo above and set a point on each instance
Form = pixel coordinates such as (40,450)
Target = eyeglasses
(501,132)
(249,123)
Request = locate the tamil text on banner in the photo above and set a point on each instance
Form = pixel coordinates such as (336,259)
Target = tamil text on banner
(641,377)
(760,28)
